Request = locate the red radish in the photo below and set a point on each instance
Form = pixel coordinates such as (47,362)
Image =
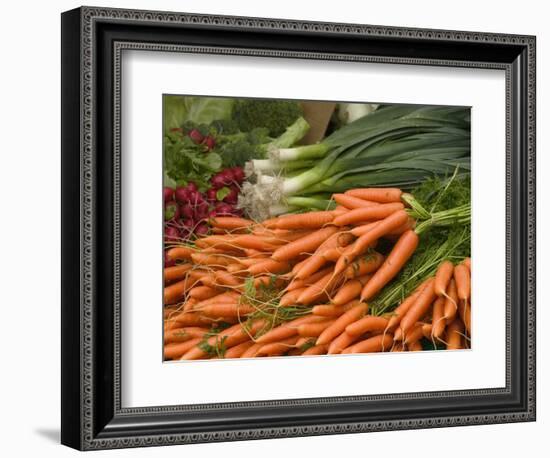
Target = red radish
(168,194)
(186,211)
(217,181)
(171,211)
(238,174)
(209,142)
(191,186)
(182,195)
(232,197)
(213,214)
(196,136)
(171,233)
(223,209)
(211,194)
(202,229)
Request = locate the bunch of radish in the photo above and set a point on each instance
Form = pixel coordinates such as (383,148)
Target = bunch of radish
(187,210)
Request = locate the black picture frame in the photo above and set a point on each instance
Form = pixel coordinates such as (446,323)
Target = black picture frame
(92,40)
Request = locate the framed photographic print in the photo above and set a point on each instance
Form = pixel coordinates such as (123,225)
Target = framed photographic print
(279,228)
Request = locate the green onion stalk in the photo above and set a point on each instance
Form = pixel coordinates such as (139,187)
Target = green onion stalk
(394,146)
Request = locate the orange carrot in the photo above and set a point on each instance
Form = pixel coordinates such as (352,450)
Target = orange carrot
(175,272)
(253,241)
(277,348)
(211,259)
(318,290)
(464,314)
(341,322)
(358,231)
(227,310)
(230,222)
(352,202)
(291,297)
(399,255)
(180,252)
(313,329)
(316,350)
(381,342)
(251,351)
(438,317)
(364,241)
(468,263)
(288,329)
(344,340)
(306,244)
(374,212)
(309,220)
(186,319)
(269,266)
(295,284)
(454,335)
(442,277)
(226,279)
(450,308)
(366,265)
(462,279)
(319,258)
(332,310)
(177,349)
(238,350)
(220,297)
(184,334)
(350,290)
(202,292)
(175,292)
(415,346)
(366,324)
(419,308)
(382,195)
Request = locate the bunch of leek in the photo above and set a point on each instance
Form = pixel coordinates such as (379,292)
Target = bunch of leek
(395,146)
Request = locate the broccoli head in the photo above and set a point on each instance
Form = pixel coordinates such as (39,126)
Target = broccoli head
(275,115)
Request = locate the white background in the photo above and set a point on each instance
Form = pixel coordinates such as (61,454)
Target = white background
(147,76)
(30,242)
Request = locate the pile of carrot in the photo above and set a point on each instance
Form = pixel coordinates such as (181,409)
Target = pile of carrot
(300,284)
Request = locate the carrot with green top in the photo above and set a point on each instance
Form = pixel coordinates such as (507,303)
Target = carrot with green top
(238,350)
(277,348)
(288,329)
(179,253)
(295,284)
(341,342)
(316,350)
(462,279)
(399,255)
(331,310)
(203,292)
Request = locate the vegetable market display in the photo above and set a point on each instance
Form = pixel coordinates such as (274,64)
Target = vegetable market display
(359,243)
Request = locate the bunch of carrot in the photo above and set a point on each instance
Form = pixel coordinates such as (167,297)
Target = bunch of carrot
(300,285)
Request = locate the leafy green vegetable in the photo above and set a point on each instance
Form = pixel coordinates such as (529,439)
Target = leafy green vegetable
(275,115)
(222,193)
(180,109)
(204,110)
(185,161)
